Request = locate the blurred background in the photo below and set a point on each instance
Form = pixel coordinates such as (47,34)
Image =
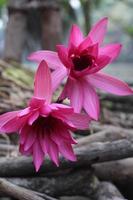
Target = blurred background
(30,25)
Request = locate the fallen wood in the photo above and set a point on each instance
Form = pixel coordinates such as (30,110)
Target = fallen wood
(18,192)
(66,183)
(117,171)
(107,191)
(90,154)
(107,133)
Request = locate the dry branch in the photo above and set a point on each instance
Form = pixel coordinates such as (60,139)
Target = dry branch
(18,192)
(107,191)
(66,183)
(117,171)
(90,154)
(105,134)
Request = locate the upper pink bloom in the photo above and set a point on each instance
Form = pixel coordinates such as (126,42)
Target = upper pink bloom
(44,128)
(81,62)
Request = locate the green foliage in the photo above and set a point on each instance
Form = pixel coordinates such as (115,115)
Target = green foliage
(129,30)
(3,3)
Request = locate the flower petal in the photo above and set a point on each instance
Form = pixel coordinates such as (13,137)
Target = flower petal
(63,55)
(109,84)
(75,94)
(98,31)
(43,86)
(51,58)
(101,62)
(85,44)
(38,155)
(67,151)
(111,51)
(76,36)
(91,101)
(33,117)
(6,117)
(57,76)
(80,121)
(30,139)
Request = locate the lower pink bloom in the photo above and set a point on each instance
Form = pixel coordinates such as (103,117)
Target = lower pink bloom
(44,128)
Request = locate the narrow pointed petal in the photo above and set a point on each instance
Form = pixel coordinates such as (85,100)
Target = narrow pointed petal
(98,31)
(23,133)
(63,55)
(102,61)
(14,124)
(76,36)
(24,112)
(67,151)
(112,51)
(30,139)
(33,117)
(38,155)
(53,152)
(85,44)
(75,95)
(44,141)
(91,101)
(57,77)
(6,117)
(80,121)
(110,84)
(43,86)
(51,58)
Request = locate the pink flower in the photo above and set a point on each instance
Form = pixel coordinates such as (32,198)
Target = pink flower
(81,62)
(44,128)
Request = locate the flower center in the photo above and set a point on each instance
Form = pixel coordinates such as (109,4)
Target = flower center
(83,61)
(47,123)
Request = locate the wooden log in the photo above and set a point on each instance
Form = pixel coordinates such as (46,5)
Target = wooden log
(75,182)
(18,192)
(107,191)
(117,171)
(106,134)
(93,153)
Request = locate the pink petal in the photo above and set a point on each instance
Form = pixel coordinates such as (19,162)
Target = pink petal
(93,50)
(25,111)
(110,84)
(63,55)
(51,58)
(44,141)
(85,44)
(33,118)
(111,51)
(101,62)
(6,117)
(79,121)
(98,31)
(53,152)
(57,76)
(43,86)
(91,101)
(67,151)
(23,152)
(23,133)
(38,155)
(76,36)
(75,94)
(13,125)
(30,139)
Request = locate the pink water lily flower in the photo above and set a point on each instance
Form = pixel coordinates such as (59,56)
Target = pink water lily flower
(81,62)
(44,128)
